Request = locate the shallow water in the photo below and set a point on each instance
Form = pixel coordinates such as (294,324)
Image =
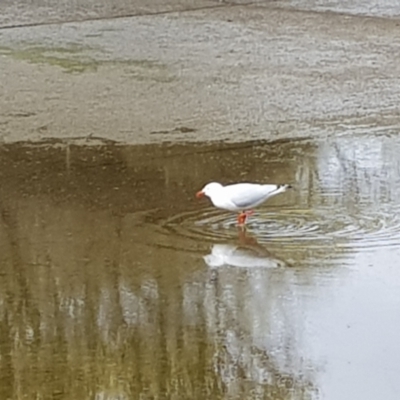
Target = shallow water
(116,283)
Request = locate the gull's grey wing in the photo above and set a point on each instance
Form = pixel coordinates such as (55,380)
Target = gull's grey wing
(247,195)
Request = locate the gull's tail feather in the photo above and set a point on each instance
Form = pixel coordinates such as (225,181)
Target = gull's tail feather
(282,188)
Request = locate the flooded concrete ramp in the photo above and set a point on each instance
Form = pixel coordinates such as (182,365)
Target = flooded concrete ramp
(117,282)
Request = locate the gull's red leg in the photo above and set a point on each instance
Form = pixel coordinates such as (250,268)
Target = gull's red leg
(242,218)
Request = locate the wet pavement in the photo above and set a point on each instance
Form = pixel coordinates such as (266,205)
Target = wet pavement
(260,71)
(372,8)
(117,283)
(35,12)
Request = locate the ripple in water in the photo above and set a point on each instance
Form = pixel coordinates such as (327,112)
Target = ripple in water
(293,227)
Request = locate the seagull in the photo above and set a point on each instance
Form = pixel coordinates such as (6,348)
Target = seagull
(240,197)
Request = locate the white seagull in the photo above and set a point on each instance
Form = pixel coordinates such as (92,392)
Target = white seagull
(240,197)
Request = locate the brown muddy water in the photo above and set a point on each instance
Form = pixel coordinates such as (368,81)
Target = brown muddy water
(116,283)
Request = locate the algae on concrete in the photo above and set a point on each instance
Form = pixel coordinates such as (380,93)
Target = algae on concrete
(74,59)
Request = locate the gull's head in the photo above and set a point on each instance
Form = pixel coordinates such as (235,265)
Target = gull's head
(209,190)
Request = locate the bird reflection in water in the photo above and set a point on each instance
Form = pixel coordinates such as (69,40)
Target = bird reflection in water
(245,253)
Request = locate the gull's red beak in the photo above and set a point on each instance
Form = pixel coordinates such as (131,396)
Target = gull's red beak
(200,194)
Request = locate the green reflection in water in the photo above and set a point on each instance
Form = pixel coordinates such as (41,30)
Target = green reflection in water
(88,309)
(105,289)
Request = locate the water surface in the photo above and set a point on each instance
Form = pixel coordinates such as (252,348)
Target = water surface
(117,283)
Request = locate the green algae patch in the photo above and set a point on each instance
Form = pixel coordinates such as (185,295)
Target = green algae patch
(70,59)
(78,59)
